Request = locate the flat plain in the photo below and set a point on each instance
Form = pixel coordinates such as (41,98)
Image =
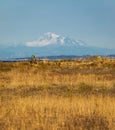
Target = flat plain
(74,94)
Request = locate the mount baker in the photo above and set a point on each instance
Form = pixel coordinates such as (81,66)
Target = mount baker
(51,44)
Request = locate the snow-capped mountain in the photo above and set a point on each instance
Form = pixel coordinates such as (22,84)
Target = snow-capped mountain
(51,44)
(53,39)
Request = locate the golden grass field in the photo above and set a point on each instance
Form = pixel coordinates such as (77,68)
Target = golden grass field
(58,95)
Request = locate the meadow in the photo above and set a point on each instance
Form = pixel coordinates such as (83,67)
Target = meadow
(74,94)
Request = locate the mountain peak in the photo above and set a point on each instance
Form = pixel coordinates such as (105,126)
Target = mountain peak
(50,34)
(51,44)
(50,38)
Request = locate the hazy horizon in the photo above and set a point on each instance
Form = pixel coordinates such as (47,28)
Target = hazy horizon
(92,21)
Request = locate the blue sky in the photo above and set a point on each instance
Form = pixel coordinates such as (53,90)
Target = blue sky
(92,21)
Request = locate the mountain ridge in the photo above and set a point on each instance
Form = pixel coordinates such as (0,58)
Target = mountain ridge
(51,44)
(53,39)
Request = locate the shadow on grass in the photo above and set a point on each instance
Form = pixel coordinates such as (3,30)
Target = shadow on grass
(59,90)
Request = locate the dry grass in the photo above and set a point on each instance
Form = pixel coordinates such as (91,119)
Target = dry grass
(53,113)
(63,95)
